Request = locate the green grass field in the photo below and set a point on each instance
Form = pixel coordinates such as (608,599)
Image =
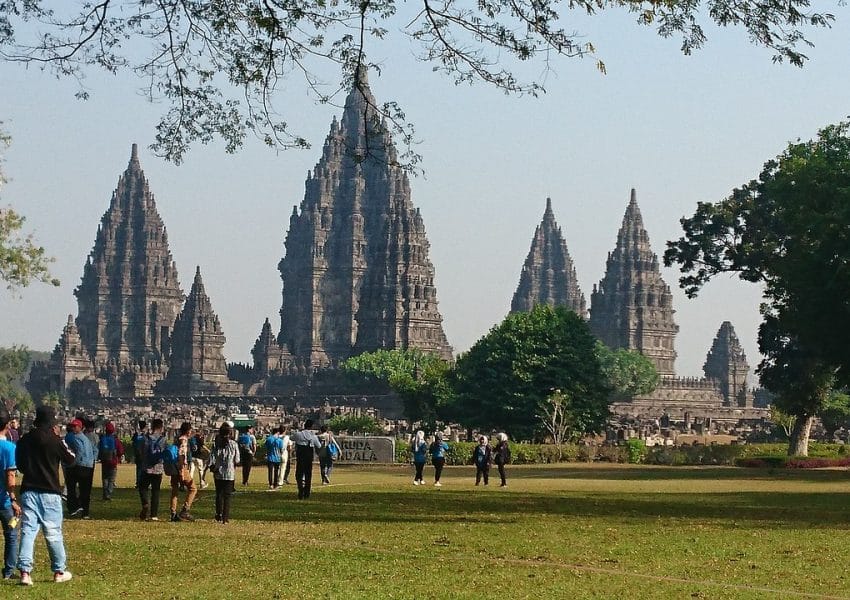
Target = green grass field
(571,531)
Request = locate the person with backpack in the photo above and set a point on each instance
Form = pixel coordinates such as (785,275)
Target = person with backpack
(438,451)
(224,458)
(177,459)
(150,459)
(138,443)
(328,453)
(247,450)
(200,458)
(79,475)
(109,453)
(274,456)
(419,452)
(306,443)
(482,458)
(502,454)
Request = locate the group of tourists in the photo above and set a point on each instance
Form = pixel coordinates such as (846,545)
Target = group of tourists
(483,457)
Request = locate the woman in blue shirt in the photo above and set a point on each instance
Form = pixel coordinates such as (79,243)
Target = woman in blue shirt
(438,451)
(419,450)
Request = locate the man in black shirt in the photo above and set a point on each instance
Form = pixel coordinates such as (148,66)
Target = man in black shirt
(38,455)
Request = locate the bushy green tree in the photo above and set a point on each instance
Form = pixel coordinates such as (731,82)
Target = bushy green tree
(14,362)
(505,378)
(835,414)
(629,372)
(789,231)
(352,424)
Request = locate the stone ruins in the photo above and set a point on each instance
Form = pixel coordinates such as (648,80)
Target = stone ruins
(356,277)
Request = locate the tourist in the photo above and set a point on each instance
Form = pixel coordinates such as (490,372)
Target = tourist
(138,442)
(328,453)
(502,456)
(419,452)
(10,511)
(247,450)
(482,457)
(274,452)
(150,459)
(306,443)
(79,475)
(38,455)
(183,476)
(438,451)
(224,459)
(13,433)
(109,452)
(89,431)
(200,458)
(285,457)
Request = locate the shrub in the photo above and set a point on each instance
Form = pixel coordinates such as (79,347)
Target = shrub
(636,451)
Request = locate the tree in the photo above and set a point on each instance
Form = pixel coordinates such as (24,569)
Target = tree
(21,261)
(629,372)
(556,418)
(352,424)
(835,414)
(788,231)
(419,378)
(216,65)
(507,376)
(14,363)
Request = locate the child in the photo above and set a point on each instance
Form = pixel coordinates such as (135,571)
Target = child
(482,456)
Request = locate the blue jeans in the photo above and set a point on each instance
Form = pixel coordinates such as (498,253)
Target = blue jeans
(10,538)
(41,510)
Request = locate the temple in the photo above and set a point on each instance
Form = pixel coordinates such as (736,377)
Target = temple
(548,275)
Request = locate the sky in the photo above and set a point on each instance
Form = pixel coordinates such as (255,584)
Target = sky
(679,129)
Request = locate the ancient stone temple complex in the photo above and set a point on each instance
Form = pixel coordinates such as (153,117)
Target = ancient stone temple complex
(632,308)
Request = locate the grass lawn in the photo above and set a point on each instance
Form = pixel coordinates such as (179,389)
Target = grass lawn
(570,531)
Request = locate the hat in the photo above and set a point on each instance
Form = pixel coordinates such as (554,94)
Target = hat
(75,423)
(110,427)
(45,416)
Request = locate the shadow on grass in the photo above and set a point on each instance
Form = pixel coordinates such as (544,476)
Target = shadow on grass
(388,506)
(662,473)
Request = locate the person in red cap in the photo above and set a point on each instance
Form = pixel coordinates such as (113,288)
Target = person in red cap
(79,474)
(109,453)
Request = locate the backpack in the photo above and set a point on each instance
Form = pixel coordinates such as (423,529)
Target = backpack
(169,460)
(245,444)
(333,450)
(152,452)
(106,449)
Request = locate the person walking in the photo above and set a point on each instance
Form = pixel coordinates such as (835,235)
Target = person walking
(183,476)
(138,443)
(419,452)
(274,451)
(224,458)
(150,458)
(109,453)
(306,443)
(10,510)
(200,458)
(286,457)
(79,475)
(482,458)
(438,451)
(38,455)
(247,449)
(13,434)
(328,453)
(502,456)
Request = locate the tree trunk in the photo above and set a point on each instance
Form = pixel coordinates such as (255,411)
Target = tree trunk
(799,442)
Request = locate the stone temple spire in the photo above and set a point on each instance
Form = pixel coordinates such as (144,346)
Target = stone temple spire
(633,307)
(356,274)
(548,275)
(197,347)
(129,295)
(727,364)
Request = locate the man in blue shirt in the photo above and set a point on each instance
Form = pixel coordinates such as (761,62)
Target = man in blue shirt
(10,511)
(274,456)
(80,475)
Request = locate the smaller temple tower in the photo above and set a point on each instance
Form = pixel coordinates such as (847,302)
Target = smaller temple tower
(548,275)
(197,364)
(68,360)
(727,364)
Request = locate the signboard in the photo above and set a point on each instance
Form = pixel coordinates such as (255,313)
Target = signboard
(366,449)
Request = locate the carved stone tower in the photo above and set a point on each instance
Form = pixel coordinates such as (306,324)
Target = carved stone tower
(632,307)
(197,348)
(68,360)
(727,364)
(548,275)
(129,295)
(356,273)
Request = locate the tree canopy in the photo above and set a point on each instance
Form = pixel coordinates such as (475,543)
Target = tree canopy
(505,378)
(789,231)
(14,363)
(215,66)
(629,372)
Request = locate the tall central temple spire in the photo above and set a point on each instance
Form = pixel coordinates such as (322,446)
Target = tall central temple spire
(633,307)
(129,295)
(356,273)
(548,275)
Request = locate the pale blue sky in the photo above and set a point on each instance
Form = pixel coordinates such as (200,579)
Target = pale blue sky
(678,129)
